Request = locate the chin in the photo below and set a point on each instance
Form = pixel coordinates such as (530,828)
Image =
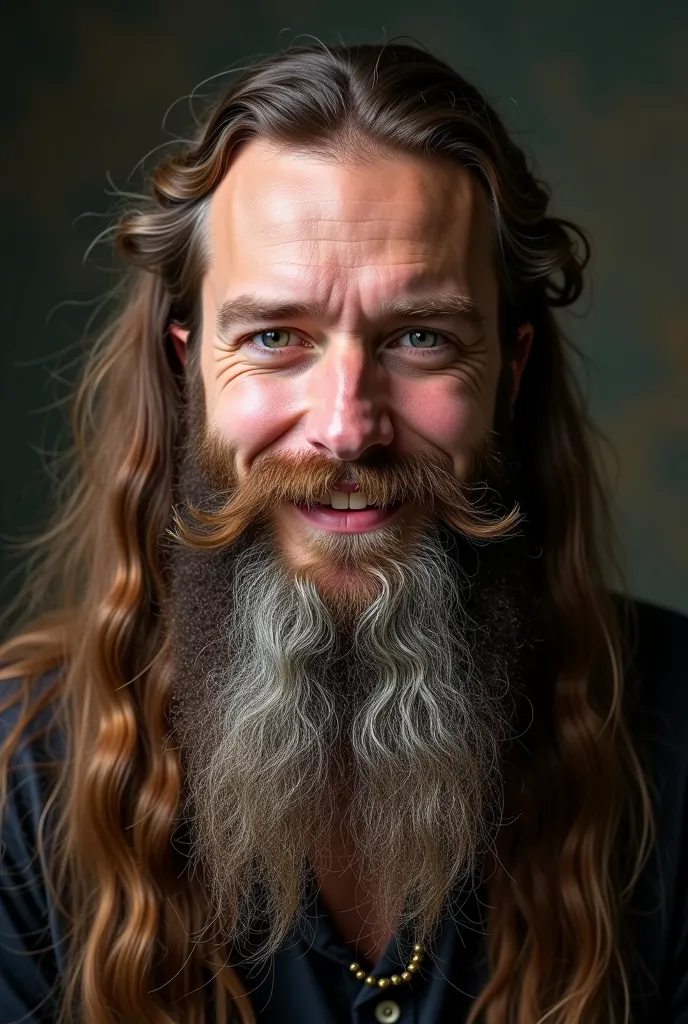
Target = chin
(346,590)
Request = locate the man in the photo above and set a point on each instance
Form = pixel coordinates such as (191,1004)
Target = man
(344,721)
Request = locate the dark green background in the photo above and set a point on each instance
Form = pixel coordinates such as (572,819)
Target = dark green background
(597,91)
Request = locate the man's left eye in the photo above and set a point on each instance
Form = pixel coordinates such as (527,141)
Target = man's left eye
(271,339)
(421,339)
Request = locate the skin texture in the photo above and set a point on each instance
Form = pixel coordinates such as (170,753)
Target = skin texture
(347,376)
(348,240)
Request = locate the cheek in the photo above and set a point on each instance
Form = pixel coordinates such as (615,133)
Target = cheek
(442,413)
(252,413)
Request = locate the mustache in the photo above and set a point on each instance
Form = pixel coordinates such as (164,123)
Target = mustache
(425,479)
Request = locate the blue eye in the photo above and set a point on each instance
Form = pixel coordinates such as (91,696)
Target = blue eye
(422,339)
(272,339)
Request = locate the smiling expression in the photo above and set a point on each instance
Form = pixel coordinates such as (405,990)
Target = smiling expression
(346,308)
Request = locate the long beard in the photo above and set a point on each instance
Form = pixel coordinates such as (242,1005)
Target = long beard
(289,723)
(386,720)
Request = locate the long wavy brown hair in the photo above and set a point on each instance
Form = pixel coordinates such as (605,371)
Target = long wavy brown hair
(95,599)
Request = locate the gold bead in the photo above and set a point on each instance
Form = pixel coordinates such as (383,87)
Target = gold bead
(411,968)
(418,948)
(361,975)
(382,982)
(405,976)
(416,958)
(370,980)
(396,979)
(354,967)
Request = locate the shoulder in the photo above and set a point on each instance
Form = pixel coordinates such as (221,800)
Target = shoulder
(31,933)
(657,706)
(35,737)
(33,750)
(658,648)
(657,687)
(657,697)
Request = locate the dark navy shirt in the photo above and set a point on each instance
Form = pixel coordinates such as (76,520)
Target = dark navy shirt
(309,981)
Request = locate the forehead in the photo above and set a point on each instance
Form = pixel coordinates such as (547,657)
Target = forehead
(325,230)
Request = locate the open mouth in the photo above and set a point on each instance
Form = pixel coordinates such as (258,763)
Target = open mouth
(347,511)
(354,501)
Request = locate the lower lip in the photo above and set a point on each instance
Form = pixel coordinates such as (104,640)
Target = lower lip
(348,520)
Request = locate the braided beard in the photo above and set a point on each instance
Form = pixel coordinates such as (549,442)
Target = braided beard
(392,721)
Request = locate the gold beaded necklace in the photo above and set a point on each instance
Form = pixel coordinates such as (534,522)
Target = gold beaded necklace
(395,979)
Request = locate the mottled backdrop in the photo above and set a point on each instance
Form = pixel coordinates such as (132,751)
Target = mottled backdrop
(597,92)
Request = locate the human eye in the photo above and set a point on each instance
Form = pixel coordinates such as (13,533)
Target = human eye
(274,338)
(420,339)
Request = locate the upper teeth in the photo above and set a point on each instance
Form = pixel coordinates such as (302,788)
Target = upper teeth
(344,499)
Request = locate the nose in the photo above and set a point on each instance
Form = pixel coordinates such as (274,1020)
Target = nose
(347,408)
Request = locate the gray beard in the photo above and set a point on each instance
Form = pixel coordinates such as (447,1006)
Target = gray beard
(395,724)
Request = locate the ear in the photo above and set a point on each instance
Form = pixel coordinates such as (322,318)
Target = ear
(518,363)
(179,336)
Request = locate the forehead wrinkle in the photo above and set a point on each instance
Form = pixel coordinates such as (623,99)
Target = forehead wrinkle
(421,245)
(284,218)
(290,191)
(427,237)
(280,237)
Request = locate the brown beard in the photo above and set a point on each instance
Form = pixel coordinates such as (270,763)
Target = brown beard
(405,704)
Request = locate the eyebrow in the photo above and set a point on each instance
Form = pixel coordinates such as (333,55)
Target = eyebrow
(248,309)
(450,304)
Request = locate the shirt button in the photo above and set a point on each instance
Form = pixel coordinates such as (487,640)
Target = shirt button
(387,1012)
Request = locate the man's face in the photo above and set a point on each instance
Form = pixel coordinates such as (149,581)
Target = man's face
(348,309)
(348,312)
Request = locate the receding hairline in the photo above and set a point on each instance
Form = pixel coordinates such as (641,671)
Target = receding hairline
(353,155)
(348,145)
